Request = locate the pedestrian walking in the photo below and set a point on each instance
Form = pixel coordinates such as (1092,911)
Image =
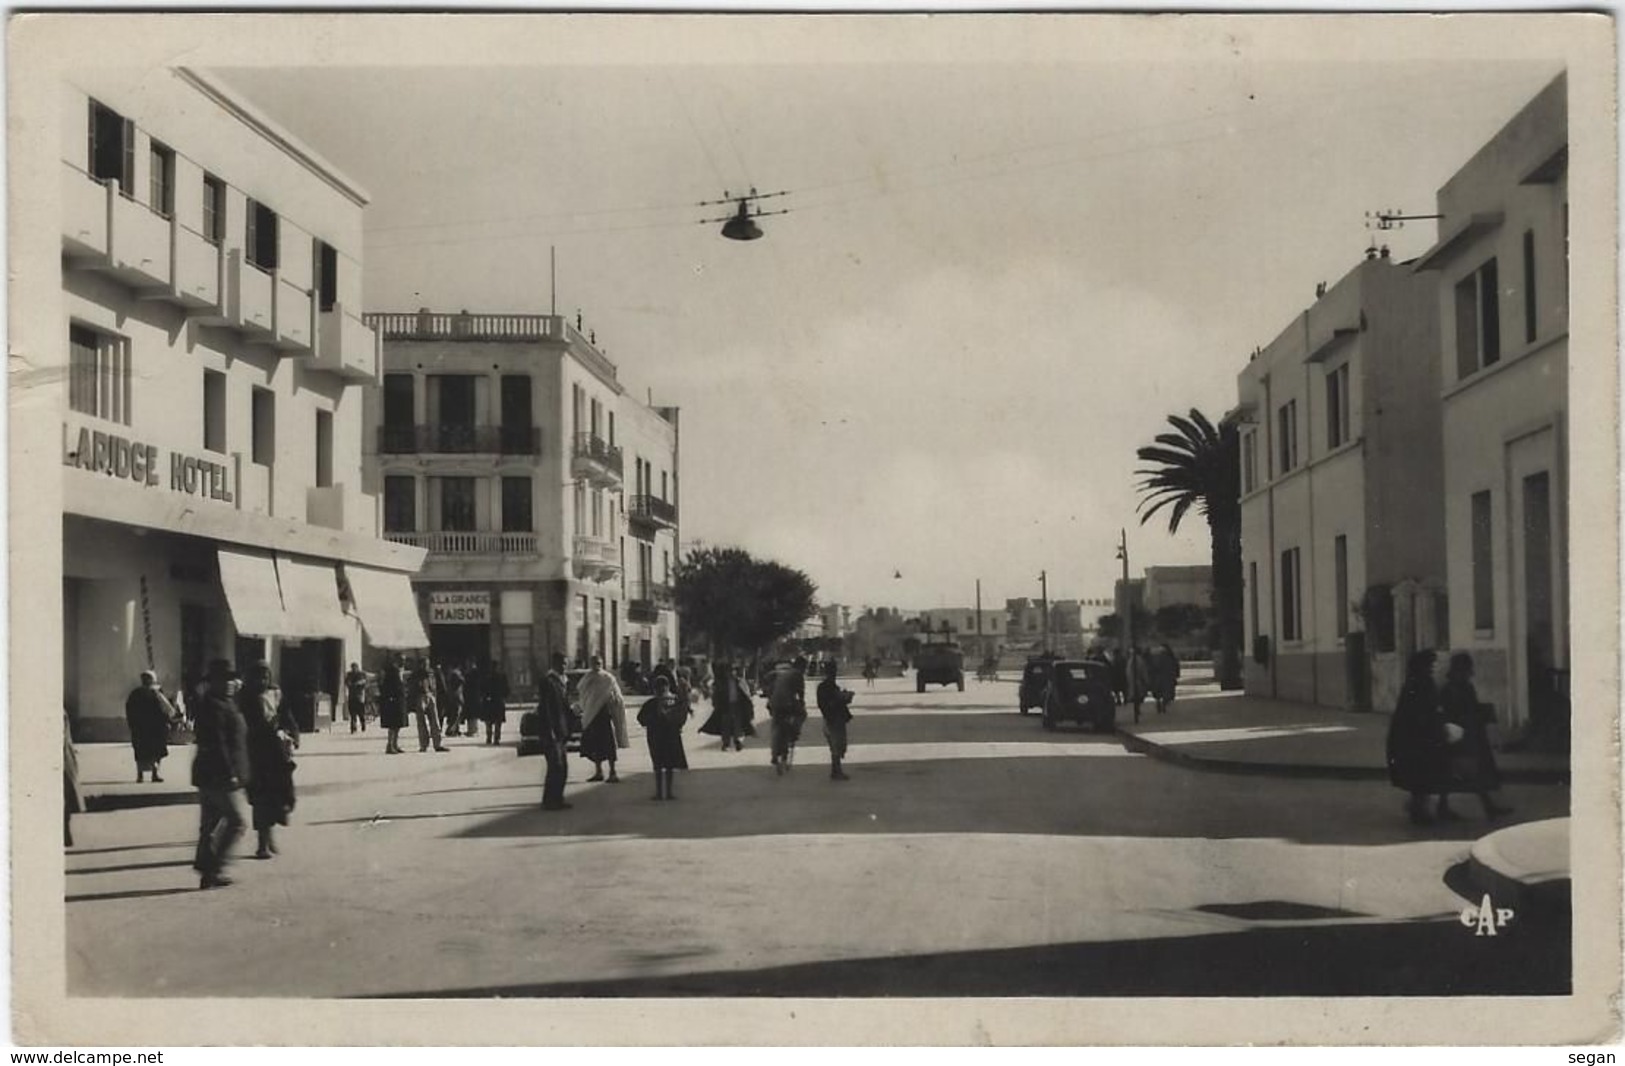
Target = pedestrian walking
(220,769)
(1164,671)
(870,669)
(473,698)
(1137,678)
(1418,742)
(272,734)
(392,705)
(355,697)
(787,706)
(726,719)
(662,717)
(1472,758)
(452,708)
(835,704)
(496,702)
(1119,674)
(601,734)
(553,712)
(426,707)
(149,714)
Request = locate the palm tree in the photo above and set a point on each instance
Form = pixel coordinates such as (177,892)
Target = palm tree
(1199,466)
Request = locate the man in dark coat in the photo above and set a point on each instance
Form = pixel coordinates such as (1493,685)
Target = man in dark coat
(219,771)
(835,704)
(496,702)
(553,710)
(148,713)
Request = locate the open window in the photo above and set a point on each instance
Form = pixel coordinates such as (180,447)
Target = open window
(112,147)
(261,245)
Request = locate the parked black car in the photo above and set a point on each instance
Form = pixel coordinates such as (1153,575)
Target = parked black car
(530,723)
(1080,690)
(1034,682)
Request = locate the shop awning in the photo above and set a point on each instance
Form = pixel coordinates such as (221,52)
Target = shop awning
(252,593)
(310,599)
(388,609)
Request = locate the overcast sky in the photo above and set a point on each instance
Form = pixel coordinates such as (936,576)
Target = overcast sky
(995,281)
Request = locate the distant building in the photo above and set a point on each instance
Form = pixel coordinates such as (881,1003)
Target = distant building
(1499,278)
(505,445)
(1340,478)
(1169,585)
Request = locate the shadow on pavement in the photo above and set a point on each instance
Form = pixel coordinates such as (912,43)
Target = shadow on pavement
(1419,958)
(129,866)
(1098,791)
(139,893)
(131,847)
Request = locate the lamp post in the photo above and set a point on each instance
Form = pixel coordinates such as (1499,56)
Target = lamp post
(1127,618)
(1043,589)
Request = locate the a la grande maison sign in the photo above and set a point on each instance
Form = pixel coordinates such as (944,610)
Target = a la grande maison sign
(459,608)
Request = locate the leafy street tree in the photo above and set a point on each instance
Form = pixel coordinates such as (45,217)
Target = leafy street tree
(736,603)
(1199,466)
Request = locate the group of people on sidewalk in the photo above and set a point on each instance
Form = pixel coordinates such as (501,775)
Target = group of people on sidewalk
(1438,741)
(443,699)
(1138,673)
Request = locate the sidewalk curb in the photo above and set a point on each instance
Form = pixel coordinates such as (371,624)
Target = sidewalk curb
(1246,767)
(1492,870)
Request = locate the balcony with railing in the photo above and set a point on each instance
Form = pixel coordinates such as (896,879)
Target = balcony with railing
(426,325)
(652,511)
(467,542)
(596,459)
(453,439)
(646,599)
(345,346)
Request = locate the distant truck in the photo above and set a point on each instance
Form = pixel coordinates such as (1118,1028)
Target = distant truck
(939,663)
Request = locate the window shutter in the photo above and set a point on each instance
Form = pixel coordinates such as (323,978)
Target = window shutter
(252,245)
(128,180)
(90,160)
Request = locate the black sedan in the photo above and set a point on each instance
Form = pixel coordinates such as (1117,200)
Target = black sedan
(1080,691)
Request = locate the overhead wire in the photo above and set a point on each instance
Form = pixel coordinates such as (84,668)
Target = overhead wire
(898,180)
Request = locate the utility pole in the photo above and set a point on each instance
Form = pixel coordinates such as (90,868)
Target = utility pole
(979,650)
(1127,618)
(1043,589)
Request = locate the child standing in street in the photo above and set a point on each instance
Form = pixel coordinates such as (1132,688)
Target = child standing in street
(662,719)
(835,704)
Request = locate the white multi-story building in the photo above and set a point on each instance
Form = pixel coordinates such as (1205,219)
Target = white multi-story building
(1340,481)
(545,496)
(213,363)
(1501,272)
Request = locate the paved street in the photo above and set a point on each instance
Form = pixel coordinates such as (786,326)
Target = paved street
(971,853)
